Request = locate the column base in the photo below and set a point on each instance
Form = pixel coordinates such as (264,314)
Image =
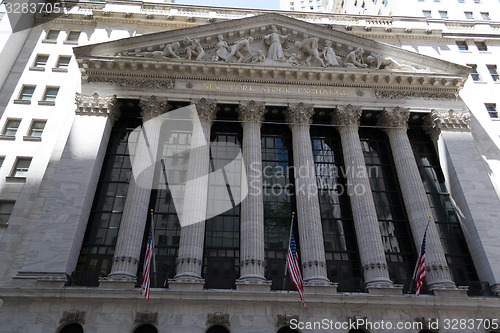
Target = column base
(186,284)
(111,282)
(450,291)
(385,289)
(257,286)
(325,288)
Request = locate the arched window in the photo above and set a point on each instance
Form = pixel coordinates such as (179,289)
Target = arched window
(146,328)
(218,329)
(287,329)
(72,328)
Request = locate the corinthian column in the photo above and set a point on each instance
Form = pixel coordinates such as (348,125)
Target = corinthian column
(395,122)
(194,212)
(312,247)
(135,211)
(371,248)
(252,208)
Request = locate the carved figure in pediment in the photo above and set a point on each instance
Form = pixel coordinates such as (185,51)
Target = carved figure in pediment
(309,48)
(194,48)
(380,62)
(223,49)
(355,59)
(260,57)
(168,52)
(331,59)
(170,49)
(275,42)
(241,50)
(293,60)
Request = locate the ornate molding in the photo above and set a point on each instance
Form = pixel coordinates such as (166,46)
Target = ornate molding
(299,114)
(252,111)
(95,105)
(284,320)
(394,117)
(395,94)
(218,318)
(146,318)
(139,83)
(436,122)
(152,107)
(206,108)
(73,316)
(348,115)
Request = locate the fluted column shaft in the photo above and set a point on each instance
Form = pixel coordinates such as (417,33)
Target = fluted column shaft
(415,198)
(252,266)
(312,247)
(135,211)
(371,248)
(194,212)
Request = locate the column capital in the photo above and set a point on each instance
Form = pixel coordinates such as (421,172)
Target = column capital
(95,105)
(207,108)
(438,121)
(394,117)
(252,111)
(347,115)
(152,107)
(299,114)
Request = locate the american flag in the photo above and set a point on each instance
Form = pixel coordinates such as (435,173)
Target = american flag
(420,275)
(292,261)
(147,265)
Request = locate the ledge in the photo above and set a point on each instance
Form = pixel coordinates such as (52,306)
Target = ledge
(70,42)
(19,180)
(49,41)
(46,103)
(60,70)
(38,69)
(32,138)
(21,101)
(8,137)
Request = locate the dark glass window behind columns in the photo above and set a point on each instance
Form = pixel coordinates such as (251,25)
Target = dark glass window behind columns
(341,250)
(453,240)
(221,265)
(279,201)
(102,229)
(393,222)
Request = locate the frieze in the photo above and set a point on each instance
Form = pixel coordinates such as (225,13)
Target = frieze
(129,82)
(394,94)
(436,122)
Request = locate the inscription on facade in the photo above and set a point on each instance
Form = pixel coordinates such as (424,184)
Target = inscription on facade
(274,89)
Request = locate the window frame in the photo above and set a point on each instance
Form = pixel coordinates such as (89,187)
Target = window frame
(23,97)
(443,13)
(492,110)
(2,214)
(46,98)
(61,67)
(474,73)
(6,127)
(72,33)
(39,65)
(425,12)
(29,135)
(51,39)
(469,15)
(462,45)
(19,169)
(481,46)
(492,69)
(485,16)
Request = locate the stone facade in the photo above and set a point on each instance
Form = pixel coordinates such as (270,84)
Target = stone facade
(244,67)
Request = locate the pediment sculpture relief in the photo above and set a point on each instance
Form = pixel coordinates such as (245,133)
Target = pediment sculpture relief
(274,48)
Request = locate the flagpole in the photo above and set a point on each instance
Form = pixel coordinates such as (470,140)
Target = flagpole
(287,252)
(416,264)
(153,246)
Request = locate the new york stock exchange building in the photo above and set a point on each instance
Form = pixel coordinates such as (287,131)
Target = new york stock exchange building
(215,134)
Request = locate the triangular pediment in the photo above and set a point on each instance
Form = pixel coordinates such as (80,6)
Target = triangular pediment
(273,47)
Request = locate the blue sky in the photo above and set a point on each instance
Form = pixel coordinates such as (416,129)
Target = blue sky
(265,4)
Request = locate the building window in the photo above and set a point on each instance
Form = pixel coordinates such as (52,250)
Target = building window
(427,13)
(485,15)
(40,61)
(477,1)
(2,158)
(52,35)
(493,72)
(469,15)
(462,45)
(473,72)
(62,64)
(36,129)
(73,36)
(443,14)
(420,0)
(461,1)
(492,110)
(21,167)
(5,211)
(27,93)
(50,94)
(11,127)
(481,46)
